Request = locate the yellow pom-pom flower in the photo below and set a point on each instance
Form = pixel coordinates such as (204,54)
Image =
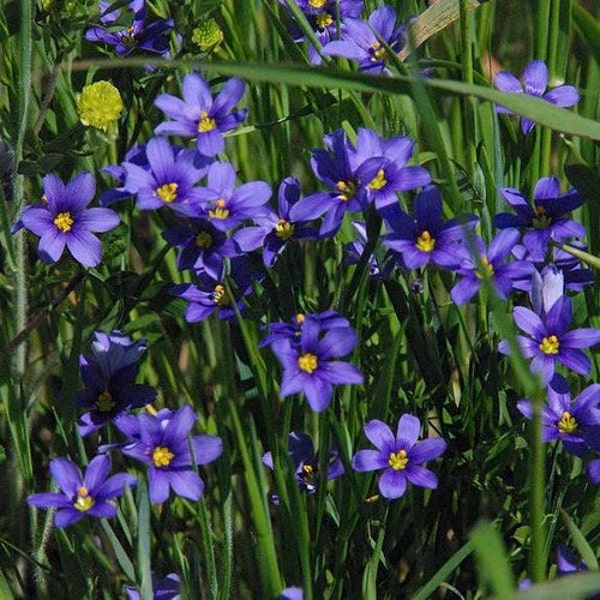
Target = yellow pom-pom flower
(99,105)
(208,36)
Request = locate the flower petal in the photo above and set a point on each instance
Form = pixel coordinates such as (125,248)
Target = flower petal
(380,435)
(392,484)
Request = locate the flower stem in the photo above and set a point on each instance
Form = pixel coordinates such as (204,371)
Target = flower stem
(536,493)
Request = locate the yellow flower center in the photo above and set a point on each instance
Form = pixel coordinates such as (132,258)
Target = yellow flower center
(398,460)
(379,52)
(425,242)
(542,220)
(300,318)
(105,402)
(64,221)
(220,295)
(308,363)
(550,345)
(204,240)
(324,20)
(284,230)
(84,501)
(485,269)
(167,192)
(347,190)
(317,3)
(206,123)
(162,456)
(219,211)
(567,423)
(378,181)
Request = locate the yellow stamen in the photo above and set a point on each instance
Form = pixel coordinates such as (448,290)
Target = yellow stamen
(219,295)
(347,188)
(105,402)
(162,456)
(378,181)
(485,269)
(317,3)
(379,52)
(398,460)
(542,220)
(84,501)
(425,242)
(324,20)
(204,240)
(567,423)
(219,211)
(300,318)
(550,345)
(284,230)
(206,123)
(167,192)
(64,221)
(308,363)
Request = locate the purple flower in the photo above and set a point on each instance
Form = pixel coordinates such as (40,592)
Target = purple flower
(306,462)
(308,366)
(360,41)
(151,37)
(109,376)
(491,266)
(549,339)
(354,250)
(164,445)
(203,247)
(342,169)
(226,206)
(201,117)
(63,220)
(292,593)
(166,588)
(137,156)
(535,81)
(393,175)
(168,180)
(274,231)
(546,220)
(565,419)
(322,17)
(567,564)
(93,494)
(426,237)
(399,455)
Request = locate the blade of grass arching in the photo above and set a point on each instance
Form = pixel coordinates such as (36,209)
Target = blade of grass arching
(542,112)
(587,27)
(227,551)
(581,544)
(574,587)
(445,571)
(493,560)
(120,553)
(369,580)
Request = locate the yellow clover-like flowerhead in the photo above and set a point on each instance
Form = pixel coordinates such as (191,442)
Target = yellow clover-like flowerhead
(99,105)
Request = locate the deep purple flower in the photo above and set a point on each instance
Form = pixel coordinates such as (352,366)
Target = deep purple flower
(306,462)
(549,339)
(308,366)
(203,248)
(535,81)
(292,593)
(360,42)
(168,180)
(567,564)
(565,419)
(93,494)
(151,37)
(393,175)
(274,230)
(167,588)
(426,237)
(109,376)
(355,249)
(344,171)
(63,220)
(399,455)
(491,266)
(292,330)
(137,156)
(208,295)
(544,221)
(165,446)
(226,206)
(322,16)
(201,117)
